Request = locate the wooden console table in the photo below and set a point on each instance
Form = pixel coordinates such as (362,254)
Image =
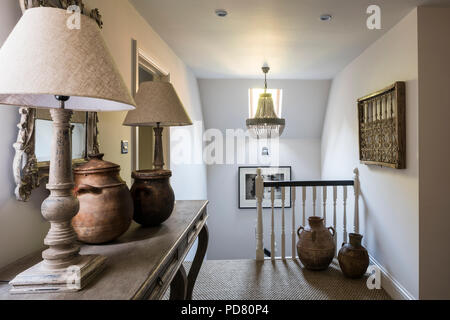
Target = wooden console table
(142,264)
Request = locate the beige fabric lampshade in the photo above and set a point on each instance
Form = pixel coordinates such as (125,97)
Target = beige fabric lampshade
(157,102)
(42,58)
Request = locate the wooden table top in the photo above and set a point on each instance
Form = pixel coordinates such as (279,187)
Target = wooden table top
(131,260)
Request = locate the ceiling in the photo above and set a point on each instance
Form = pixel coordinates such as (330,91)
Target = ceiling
(286,34)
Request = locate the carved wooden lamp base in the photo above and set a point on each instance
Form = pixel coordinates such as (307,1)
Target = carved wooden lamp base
(39,279)
(63,269)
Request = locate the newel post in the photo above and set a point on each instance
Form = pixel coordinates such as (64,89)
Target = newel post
(356,189)
(259,192)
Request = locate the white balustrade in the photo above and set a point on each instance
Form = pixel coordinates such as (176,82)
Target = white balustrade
(337,185)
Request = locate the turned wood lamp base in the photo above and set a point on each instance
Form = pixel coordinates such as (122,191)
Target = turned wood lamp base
(39,279)
(63,269)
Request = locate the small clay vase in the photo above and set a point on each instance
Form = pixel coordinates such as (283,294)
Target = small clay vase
(106,207)
(353,257)
(153,197)
(316,246)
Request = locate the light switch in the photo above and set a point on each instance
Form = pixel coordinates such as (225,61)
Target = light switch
(124,146)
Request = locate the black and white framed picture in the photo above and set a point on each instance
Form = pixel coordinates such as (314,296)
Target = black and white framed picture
(247,188)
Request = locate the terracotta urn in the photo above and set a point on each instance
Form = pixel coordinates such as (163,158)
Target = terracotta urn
(316,246)
(153,197)
(353,257)
(106,206)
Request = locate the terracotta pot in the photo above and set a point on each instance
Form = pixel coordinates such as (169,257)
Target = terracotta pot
(153,197)
(316,246)
(353,257)
(106,206)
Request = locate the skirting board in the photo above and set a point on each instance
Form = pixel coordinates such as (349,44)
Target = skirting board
(390,284)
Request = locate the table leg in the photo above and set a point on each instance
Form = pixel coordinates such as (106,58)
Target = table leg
(203,238)
(178,286)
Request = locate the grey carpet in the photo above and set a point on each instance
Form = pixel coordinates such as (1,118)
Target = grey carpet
(279,280)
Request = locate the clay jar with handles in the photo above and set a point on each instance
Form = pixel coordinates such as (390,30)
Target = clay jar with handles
(106,206)
(316,246)
(353,257)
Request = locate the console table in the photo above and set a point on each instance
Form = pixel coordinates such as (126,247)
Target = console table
(142,264)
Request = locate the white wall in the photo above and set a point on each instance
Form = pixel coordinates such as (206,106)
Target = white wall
(389,205)
(434,172)
(225,105)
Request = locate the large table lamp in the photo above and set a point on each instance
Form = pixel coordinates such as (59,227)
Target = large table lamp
(44,64)
(157,106)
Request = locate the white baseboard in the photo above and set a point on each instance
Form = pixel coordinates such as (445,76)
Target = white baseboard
(391,285)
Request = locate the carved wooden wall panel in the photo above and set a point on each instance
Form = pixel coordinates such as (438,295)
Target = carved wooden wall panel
(382,127)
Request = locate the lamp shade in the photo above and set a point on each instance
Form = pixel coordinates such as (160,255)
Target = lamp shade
(157,103)
(43,58)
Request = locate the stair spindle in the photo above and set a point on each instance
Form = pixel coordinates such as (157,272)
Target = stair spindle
(293,234)
(356,191)
(345,216)
(334,215)
(324,193)
(283,226)
(259,192)
(314,200)
(272,236)
(304,206)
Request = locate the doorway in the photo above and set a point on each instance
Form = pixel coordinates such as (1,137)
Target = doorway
(145,69)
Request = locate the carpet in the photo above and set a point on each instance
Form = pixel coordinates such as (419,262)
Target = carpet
(279,280)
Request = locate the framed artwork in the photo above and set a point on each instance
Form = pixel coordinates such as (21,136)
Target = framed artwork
(246,186)
(382,127)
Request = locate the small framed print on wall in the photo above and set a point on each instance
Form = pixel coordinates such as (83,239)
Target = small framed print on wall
(246,186)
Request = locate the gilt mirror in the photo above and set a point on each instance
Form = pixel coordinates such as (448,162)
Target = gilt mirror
(31,161)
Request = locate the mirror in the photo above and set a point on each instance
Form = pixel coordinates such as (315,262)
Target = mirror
(31,161)
(44,132)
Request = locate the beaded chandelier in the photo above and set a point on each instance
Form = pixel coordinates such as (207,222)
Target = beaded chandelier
(266,124)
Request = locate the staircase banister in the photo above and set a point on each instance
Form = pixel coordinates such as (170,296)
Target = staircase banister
(319,183)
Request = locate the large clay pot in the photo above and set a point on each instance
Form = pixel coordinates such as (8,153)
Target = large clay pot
(153,197)
(353,257)
(316,246)
(106,206)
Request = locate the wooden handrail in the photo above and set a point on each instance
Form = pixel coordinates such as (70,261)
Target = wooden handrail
(277,184)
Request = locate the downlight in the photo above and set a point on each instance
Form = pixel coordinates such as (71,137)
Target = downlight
(326,17)
(221,13)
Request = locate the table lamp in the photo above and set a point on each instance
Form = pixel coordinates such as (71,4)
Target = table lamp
(158,106)
(61,69)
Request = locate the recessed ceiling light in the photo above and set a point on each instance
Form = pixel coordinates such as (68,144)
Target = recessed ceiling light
(326,17)
(221,13)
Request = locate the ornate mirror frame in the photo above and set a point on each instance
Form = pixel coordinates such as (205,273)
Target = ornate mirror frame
(28,172)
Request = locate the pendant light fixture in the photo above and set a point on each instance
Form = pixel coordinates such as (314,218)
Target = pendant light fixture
(266,123)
